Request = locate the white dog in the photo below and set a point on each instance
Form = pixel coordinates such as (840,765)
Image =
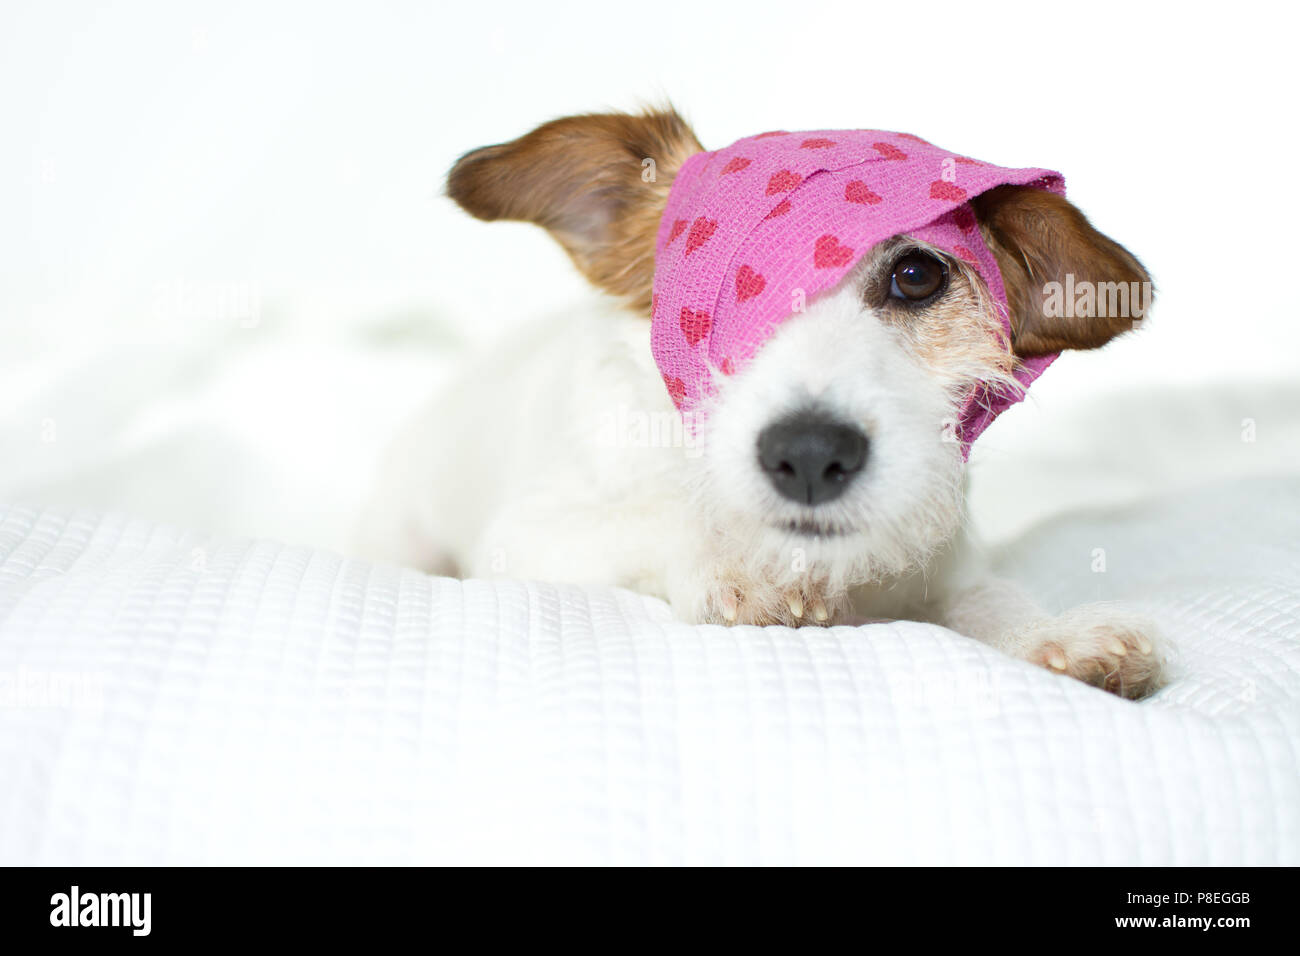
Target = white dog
(819,490)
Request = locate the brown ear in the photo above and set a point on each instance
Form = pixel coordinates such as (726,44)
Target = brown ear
(587,181)
(1068,286)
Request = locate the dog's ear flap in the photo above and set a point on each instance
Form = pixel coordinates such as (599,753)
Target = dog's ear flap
(1068,286)
(597,182)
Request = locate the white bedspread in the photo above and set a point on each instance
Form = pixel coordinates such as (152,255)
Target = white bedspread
(170,698)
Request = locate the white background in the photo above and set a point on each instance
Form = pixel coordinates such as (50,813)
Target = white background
(226,272)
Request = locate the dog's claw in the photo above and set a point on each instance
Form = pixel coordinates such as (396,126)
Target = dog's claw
(748,602)
(1117,647)
(1144,645)
(1056,660)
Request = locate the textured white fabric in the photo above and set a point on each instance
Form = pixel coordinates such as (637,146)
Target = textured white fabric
(169,698)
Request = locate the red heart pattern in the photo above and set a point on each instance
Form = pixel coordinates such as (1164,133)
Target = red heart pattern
(676,389)
(695,325)
(748,284)
(782,182)
(964,218)
(889,151)
(735,165)
(701,230)
(828,253)
(941,189)
(857,191)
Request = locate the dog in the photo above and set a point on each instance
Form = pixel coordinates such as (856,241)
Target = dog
(824,485)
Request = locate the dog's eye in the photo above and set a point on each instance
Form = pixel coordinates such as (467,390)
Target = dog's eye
(917,276)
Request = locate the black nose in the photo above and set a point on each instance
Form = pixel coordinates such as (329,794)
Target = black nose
(811,458)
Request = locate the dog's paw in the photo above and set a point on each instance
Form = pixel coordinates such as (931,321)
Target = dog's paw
(1101,645)
(734,601)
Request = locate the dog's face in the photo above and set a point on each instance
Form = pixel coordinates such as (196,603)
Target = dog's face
(838,438)
(836,443)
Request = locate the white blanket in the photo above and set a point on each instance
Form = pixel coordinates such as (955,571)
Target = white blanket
(169,698)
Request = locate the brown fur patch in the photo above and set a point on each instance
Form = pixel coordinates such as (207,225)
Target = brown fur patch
(581,178)
(1039,238)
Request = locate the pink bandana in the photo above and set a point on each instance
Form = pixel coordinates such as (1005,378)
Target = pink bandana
(752,230)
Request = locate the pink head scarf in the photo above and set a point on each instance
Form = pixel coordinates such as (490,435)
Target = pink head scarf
(750,227)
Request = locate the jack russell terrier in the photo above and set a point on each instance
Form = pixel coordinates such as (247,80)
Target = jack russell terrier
(767,420)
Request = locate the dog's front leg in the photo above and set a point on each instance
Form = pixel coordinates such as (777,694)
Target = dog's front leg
(1102,644)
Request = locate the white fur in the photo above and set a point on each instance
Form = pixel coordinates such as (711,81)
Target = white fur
(561,457)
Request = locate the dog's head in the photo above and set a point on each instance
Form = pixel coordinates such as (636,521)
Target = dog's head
(839,434)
